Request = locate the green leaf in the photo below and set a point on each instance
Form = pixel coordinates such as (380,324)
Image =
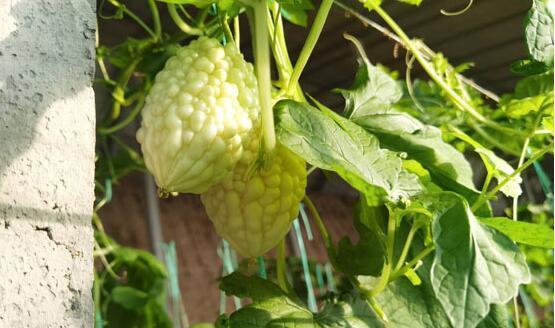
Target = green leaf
(369,103)
(535,85)
(254,287)
(528,67)
(409,306)
(532,94)
(368,255)
(538,31)
(339,145)
(501,170)
(401,132)
(496,166)
(271,308)
(474,266)
(372,90)
(295,11)
(349,312)
(129,297)
(527,233)
(497,318)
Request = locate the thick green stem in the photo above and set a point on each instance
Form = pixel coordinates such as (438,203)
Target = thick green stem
(262,64)
(412,263)
(281,55)
(309,44)
(413,229)
(119,90)
(457,100)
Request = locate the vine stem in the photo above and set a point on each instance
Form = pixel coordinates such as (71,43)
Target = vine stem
(262,64)
(309,44)
(395,38)
(413,229)
(281,266)
(412,263)
(134,17)
(183,26)
(125,122)
(516,172)
(321,226)
(461,103)
(155,19)
(522,157)
(369,296)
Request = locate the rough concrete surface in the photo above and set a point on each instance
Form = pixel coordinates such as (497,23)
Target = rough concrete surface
(46,162)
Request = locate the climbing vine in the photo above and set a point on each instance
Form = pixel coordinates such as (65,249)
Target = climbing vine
(431,251)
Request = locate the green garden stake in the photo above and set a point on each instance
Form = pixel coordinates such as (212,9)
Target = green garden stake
(98,322)
(306,269)
(261,267)
(108,188)
(329,277)
(223,302)
(545,183)
(306,223)
(528,308)
(170,259)
(228,267)
(320,276)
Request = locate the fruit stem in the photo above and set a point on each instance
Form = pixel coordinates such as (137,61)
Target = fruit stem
(262,64)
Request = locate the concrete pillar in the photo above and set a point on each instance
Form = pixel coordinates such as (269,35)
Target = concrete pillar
(47,136)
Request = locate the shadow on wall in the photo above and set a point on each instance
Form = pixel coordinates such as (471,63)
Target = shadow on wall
(40,65)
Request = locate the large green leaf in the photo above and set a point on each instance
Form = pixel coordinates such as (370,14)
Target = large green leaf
(474,265)
(539,31)
(373,88)
(401,132)
(129,297)
(368,255)
(527,233)
(410,306)
(349,312)
(369,103)
(532,94)
(295,11)
(271,307)
(331,142)
(497,318)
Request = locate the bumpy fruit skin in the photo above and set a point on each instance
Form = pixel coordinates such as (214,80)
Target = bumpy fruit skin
(253,210)
(200,112)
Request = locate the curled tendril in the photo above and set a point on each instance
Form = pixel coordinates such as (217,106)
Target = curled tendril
(459,12)
(358,46)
